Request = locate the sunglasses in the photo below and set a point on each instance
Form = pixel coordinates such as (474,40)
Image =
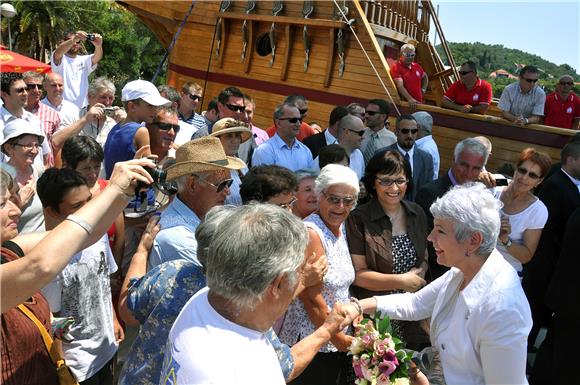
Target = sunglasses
(567,83)
(195,98)
(288,206)
(235,108)
(20,90)
(408,54)
(464,72)
(372,113)
(292,120)
(530,80)
(220,186)
(359,133)
(167,126)
(27,147)
(522,171)
(387,182)
(336,200)
(30,87)
(406,131)
(304,111)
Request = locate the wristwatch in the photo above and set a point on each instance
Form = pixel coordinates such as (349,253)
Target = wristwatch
(508,243)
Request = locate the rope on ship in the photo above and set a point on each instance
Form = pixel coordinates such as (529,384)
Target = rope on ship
(349,23)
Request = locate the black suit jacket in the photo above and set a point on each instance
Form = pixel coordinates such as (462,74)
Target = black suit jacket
(561,198)
(422,169)
(425,198)
(315,143)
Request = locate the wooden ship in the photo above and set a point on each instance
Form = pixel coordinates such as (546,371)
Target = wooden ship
(334,52)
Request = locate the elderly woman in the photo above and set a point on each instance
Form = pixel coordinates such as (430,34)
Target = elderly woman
(306,200)
(523,214)
(387,239)
(21,143)
(337,190)
(232,134)
(480,318)
(269,184)
(31,261)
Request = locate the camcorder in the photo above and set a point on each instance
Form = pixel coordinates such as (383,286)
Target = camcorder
(159,175)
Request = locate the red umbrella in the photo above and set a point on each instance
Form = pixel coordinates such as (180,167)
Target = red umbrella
(14,62)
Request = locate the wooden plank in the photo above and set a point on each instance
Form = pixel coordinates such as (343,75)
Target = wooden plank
(287,51)
(321,23)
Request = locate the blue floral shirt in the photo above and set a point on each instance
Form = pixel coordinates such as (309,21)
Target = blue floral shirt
(155,301)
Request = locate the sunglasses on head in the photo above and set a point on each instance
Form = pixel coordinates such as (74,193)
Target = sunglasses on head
(167,126)
(33,86)
(523,171)
(464,72)
(387,182)
(292,120)
(372,113)
(336,200)
(235,108)
(530,80)
(406,131)
(195,98)
(359,133)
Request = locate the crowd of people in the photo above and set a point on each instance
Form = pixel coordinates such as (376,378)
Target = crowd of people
(219,252)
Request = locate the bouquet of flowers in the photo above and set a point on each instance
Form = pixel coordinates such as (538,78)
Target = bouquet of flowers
(378,355)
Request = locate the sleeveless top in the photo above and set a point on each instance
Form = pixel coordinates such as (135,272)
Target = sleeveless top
(25,359)
(338,278)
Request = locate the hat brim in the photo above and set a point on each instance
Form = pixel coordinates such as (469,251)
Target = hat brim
(246,133)
(191,167)
(155,100)
(20,133)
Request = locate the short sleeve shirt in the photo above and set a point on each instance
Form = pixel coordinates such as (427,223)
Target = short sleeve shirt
(75,75)
(561,113)
(517,103)
(480,93)
(411,76)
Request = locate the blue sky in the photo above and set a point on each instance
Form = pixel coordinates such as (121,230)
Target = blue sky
(548,29)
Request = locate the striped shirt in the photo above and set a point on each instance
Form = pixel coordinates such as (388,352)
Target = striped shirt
(198,122)
(517,103)
(49,121)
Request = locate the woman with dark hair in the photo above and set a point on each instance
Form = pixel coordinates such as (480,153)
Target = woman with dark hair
(523,214)
(269,184)
(387,238)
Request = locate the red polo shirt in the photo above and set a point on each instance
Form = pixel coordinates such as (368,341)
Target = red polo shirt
(305,131)
(561,113)
(411,76)
(480,93)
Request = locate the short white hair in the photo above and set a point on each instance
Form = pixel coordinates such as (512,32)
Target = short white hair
(407,47)
(333,174)
(473,209)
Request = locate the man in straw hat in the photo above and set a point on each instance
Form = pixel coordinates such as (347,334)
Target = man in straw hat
(232,133)
(202,172)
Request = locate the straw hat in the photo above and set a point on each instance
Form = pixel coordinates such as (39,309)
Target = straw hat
(202,155)
(227,125)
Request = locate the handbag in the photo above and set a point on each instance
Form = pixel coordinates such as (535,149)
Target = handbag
(65,376)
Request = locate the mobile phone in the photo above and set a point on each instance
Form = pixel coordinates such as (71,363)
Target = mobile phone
(501,182)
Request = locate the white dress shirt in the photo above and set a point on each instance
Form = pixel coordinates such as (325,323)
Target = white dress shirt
(481,331)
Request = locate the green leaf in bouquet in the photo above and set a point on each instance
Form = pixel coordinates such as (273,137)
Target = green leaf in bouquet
(385,325)
(401,355)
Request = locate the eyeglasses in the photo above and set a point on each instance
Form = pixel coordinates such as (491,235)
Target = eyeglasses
(167,126)
(464,72)
(387,182)
(288,206)
(292,120)
(235,108)
(28,146)
(530,80)
(30,87)
(336,200)
(406,131)
(220,186)
(408,54)
(371,113)
(359,133)
(303,111)
(523,171)
(567,83)
(195,98)
(20,90)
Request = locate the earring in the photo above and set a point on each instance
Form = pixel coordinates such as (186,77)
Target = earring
(466,253)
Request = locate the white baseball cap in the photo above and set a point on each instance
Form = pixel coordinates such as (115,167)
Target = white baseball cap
(17,127)
(142,89)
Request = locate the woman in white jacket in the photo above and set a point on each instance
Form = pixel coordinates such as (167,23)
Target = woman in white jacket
(480,318)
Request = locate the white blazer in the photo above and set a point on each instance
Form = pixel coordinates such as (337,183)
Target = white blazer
(481,331)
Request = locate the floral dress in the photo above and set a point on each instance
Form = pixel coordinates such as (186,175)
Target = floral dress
(338,278)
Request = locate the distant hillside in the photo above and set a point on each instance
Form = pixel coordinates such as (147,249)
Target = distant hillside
(493,57)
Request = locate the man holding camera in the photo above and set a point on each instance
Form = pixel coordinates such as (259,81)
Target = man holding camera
(75,68)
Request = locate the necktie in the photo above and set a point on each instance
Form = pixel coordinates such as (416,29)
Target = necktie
(371,147)
(408,159)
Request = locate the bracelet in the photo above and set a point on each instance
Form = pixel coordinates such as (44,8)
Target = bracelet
(356,304)
(81,222)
